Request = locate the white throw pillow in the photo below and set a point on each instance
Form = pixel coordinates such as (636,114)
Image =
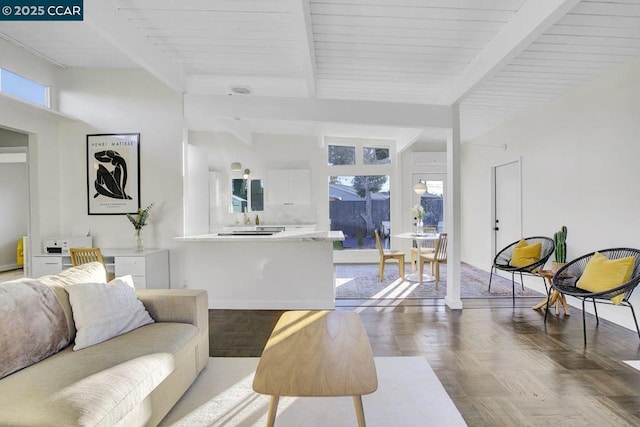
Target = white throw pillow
(102,311)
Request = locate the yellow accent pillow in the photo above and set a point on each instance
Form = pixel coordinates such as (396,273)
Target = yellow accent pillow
(524,255)
(602,274)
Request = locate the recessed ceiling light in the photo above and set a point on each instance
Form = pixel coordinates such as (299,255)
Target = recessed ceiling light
(241,90)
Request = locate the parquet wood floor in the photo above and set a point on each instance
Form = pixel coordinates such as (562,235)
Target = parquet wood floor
(500,364)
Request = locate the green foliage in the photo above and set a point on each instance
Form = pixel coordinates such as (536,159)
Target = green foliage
(373,183)
(375,156)
(140,219)
(560,239)
(342,155)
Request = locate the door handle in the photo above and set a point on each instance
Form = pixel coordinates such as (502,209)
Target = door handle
(496,228)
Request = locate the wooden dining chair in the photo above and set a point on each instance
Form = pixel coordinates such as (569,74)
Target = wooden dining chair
(85,255)
(386,254)
(438,256)
(428,246)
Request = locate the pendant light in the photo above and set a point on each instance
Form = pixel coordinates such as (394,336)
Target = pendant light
(420,188)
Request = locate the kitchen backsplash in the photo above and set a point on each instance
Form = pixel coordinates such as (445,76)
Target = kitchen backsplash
(280,215)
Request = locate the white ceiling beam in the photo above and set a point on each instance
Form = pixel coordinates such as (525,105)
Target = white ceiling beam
(526,25)
(103,16)
(238,128)
(372,113)
(407,138)
(304,34)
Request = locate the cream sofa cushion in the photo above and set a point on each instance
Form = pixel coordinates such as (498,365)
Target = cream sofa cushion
(99,385)
(92,272)
(105,310)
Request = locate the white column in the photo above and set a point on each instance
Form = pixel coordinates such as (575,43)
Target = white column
(453,208)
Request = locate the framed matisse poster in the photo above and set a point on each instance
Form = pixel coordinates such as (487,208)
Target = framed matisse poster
(113,173)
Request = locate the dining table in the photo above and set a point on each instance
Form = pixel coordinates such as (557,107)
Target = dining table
(420,239)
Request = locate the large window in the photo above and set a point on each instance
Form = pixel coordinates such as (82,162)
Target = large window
(359,205)
(359,195)
(23,88)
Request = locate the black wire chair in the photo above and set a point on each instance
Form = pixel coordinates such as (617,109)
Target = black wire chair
(502,261)
(566,278)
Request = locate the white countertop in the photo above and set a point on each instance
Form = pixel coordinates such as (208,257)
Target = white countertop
(110,252)
(252,226)
(293,235)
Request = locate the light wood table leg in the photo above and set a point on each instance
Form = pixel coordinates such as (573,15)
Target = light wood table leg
(555,299)
(357,404)
(543,303)
(563,299)
(273,408)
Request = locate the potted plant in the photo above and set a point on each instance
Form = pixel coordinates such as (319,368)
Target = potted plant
(419,212)
(560,239)
(140,220)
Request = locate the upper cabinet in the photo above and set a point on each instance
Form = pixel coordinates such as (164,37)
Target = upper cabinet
(288,187)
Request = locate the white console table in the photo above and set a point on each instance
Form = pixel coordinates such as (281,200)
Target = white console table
(149,268)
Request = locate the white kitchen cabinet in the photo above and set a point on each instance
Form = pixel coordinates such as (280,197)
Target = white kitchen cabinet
(149,268)
(288,187)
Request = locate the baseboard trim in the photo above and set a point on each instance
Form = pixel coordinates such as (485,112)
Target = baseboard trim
(270,305)
(9,267)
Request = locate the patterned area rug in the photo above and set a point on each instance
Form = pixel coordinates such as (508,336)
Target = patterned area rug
(360,281)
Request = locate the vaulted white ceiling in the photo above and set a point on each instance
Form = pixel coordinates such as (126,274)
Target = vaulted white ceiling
(497,58)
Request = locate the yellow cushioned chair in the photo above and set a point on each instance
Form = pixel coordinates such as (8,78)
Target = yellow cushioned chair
(524,256)
(608,276)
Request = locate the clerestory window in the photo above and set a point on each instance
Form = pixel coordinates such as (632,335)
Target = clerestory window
(21,87)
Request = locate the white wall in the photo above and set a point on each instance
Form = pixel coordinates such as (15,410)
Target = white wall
(267,152)
(115,101)
(196,191)
(14,194)
(41,128)
(579,168)
(19,61)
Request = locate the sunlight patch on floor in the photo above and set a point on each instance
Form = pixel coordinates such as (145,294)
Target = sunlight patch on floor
(343,281)
(397,290)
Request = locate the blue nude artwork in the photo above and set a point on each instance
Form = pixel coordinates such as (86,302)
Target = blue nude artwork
(113,183)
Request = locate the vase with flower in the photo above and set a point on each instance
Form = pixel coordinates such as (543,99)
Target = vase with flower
(139,220)
(419,212)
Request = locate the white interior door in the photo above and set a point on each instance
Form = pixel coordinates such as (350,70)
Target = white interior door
(507,217)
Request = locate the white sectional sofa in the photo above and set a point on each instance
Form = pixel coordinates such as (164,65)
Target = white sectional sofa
(132,379)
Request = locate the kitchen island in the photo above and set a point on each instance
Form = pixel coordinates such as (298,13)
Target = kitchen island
(279,270)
